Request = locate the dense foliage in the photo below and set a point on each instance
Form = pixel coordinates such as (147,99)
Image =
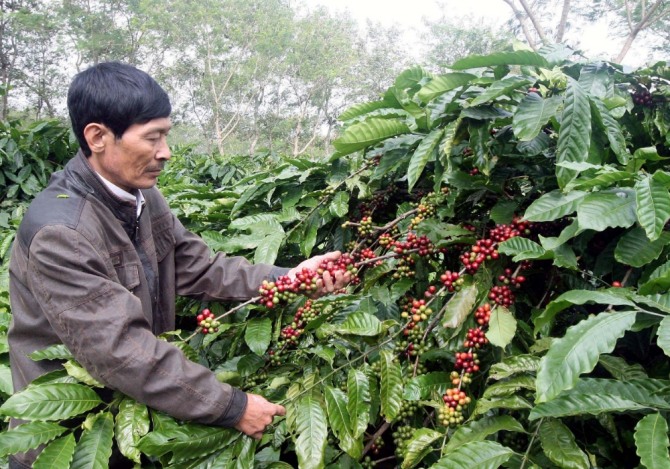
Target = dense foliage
(507,226)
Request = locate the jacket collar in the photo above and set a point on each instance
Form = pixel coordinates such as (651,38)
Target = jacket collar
(81,171)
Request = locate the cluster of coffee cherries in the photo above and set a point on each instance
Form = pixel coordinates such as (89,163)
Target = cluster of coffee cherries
(451,414)
(423,210)
(486,249)
(207,322)
(451,280)
(643,97)
(303,316)
(465,365)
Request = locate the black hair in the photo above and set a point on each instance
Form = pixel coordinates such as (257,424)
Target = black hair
(116,95)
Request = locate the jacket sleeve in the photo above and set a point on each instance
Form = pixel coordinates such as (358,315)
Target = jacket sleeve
(103,325)
(218,277)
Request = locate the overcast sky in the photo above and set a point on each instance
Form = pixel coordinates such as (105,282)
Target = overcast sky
(409,14)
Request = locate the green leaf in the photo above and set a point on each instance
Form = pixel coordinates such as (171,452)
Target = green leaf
(554,205)
(596,396)
(186,441)
(509,387)
(268,248)
(340,421)
(559,445)
(58,401)
(578,351)
(357,323)
(57,454)
(502,327)
(479,430)
(477,454)
(651,442)
(519,57)
(95,445)
(635,249)
(28,436)
(53,352)
(443,83)
(658,281)
(574,138)
(460,306)
(79,373)
(339,207)
(312,431)
(364,134)
(500,88)
(663,332)
(607,209)
(6,386)
(532,115)
(653,206)
(258,335)
(579,297)
(620,369)
(484,406)
(425,385)
(390,386)
(361,109)
(132,423)
(419,446)
(513,365)
(358,401)
(422,155)
(522,249)
(615,135)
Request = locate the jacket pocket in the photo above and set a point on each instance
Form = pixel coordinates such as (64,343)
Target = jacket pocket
(128,274)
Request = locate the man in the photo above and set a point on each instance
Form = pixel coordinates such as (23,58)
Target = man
(99,258)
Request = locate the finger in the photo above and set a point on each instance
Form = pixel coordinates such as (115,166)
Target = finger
(327,281)
(257,436)
(280,410)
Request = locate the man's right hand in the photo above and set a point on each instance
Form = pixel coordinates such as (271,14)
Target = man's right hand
(258,415)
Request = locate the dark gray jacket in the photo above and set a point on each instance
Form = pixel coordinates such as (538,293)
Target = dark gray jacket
(87,273)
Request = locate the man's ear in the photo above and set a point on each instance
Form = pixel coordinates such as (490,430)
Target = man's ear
(95,136)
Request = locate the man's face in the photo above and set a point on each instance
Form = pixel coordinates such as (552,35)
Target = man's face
(136,159)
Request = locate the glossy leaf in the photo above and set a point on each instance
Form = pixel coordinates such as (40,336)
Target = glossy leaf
(479,430)
(132,423)
(51,402)
(460,306)
(422,155)
(651,442)
(94,447)
(554,205)
(663,332)
(340,204)
(577,352)
(532,115)
(359,323)
(419,446)
(635,249)
(522,249)
(575,136)
(502,327)
(442,84)
(513,365)
(480,454)
(559,445)
(54,352)
(312,431)
(425,385)
(615,135)
(519,57)
(358,401)
(57,454)
(390,386)
(608,209)
(653,206)
(28,436)
(500,88)
(258,335)
(340,421)
(658,281)
(370,132)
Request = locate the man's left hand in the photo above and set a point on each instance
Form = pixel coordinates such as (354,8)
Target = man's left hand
(327,283)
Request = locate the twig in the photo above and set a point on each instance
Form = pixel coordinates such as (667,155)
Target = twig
(530,444)
(377,434)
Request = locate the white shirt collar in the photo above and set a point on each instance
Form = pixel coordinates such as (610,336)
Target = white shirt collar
(138,197)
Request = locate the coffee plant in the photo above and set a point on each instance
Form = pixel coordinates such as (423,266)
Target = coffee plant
(505,226)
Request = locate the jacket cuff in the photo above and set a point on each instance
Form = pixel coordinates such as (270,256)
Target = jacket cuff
(277,272)
(235,409)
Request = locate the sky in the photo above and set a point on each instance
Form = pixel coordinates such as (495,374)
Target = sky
(409,13)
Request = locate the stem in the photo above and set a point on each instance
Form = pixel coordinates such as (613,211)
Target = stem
(377,434)
(530,445)
(227,313)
